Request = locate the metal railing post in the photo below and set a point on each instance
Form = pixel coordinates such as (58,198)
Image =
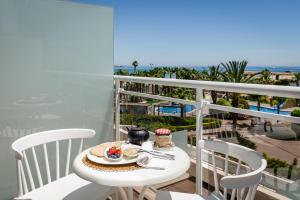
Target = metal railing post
(117,112)
(199,136)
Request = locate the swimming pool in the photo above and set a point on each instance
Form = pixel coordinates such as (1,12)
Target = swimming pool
(269,110)
(186,108)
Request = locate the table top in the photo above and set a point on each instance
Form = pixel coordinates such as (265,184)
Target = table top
(139,177)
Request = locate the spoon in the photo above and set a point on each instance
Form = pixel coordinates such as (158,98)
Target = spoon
(144,161)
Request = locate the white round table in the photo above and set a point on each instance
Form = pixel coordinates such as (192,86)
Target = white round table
(139,177)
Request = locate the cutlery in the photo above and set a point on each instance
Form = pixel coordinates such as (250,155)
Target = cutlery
(161,157)
(144,161)
(159,154)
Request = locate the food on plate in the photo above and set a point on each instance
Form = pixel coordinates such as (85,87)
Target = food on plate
(114,152)
(99,150)
(130,152)
(163,138)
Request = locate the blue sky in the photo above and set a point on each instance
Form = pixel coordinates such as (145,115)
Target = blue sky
(206,32)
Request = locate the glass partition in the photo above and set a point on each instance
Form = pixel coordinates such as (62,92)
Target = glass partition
(56,67)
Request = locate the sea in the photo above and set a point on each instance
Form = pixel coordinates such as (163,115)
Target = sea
(201,68)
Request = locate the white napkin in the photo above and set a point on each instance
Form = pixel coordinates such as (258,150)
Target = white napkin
(154,162)
(147,146)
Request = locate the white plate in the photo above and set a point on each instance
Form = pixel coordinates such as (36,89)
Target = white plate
(104,161)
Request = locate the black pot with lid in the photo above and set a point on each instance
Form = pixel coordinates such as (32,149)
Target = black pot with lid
(137,135)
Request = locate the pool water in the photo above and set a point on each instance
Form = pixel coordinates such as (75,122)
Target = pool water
(186,108)
(269,110)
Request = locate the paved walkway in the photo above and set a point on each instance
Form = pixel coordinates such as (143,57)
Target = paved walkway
(283,149)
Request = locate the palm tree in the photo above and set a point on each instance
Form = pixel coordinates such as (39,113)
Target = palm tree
(297,78)
(235,73)
(264,79)
(135,64)
(213,74)
(266,76)
(278,101)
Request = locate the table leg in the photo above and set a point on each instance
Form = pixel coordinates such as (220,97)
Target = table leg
(130,193)
(142,194)
(122,194)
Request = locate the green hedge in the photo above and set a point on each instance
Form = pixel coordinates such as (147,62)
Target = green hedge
(151,122)
(245,141)
(208,125)
(296,113)
(293,171)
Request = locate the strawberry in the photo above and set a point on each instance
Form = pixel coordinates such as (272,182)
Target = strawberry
(111,151)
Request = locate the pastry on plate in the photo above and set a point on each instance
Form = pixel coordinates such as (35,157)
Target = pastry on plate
(130,152)
(99,150)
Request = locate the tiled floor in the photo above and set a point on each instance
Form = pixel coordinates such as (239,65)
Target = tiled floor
(189,186)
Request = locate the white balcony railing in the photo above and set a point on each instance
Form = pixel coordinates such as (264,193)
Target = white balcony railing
(200,86)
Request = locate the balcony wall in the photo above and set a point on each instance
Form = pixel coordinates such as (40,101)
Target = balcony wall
(56,66)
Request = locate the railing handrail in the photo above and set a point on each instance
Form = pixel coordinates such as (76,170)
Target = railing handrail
(258,89)
(200,103)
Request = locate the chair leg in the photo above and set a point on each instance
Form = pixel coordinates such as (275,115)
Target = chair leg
(110,197)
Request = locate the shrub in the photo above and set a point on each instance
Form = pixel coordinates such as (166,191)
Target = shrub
(245,141)
(296,113)
(275,163)
(283,82)
(243,103)
(223,102)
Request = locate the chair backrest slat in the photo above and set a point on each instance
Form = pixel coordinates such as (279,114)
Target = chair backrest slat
(19,178)
(239,196)
(244,189)
(80,146)
(226,173)
(37,167)
(57,160)
(24,182)
(216,182)
(42,138)
(242,186)
(47,163)
(233,193)
(251,192)
(28,171)
(68,157)
(248,196)
(226,165)
(254,191)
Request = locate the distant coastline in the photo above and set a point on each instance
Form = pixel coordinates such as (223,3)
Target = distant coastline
(274,69)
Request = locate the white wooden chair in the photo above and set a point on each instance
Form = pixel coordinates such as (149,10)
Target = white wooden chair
(68,187)
(241,185)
